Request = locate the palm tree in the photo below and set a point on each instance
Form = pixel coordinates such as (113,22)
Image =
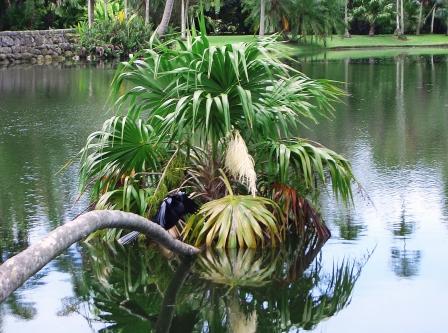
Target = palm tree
(222,121)
(271,15)
(373,11)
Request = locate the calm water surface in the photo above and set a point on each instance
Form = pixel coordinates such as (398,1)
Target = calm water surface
(384,269)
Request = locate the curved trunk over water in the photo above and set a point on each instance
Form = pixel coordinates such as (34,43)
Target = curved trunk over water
(16,270)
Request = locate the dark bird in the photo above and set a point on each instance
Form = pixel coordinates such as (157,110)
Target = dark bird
(173,208)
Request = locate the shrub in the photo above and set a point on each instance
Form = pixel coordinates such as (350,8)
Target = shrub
(114,37)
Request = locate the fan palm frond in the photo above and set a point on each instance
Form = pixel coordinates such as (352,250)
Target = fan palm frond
(234,220)
(122,148)
(309,162)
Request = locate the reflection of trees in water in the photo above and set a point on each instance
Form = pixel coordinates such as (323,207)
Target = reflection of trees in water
(349,228)
(405,263)
(135,289)
(403,228)
(44,115)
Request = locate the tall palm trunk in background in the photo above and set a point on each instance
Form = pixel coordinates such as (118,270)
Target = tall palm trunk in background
(146,12)
(126,9)
(90,10)
(163,26)
(183,33)
(372,30)
(106,14)
(397,16)
(347,32)
(262,17)
(419,21)
(402,18)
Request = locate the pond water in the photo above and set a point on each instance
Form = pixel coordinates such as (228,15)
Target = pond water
(383,270)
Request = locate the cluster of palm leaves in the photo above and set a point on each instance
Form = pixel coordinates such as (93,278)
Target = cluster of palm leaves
(221,123)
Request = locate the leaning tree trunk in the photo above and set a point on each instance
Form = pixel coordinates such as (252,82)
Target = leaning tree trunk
(372,30)
(419,21)
(347,32)
(432,18)
(262,17)
(90,10)
(16,270)
(163,26)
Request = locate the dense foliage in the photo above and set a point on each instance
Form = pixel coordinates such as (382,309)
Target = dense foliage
(295,18)
(115,36)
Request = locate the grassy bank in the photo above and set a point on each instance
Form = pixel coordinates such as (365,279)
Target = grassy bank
(386,41)
(337,42)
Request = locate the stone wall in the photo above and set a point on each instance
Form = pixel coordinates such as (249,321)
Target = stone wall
(37,46)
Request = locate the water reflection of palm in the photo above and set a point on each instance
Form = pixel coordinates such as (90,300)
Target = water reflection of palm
(271,289)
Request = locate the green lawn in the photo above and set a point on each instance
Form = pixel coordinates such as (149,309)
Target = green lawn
(353,42)
(386,41)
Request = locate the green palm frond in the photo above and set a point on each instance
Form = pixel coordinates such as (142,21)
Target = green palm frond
(235,220)
(308,162)
(122,148)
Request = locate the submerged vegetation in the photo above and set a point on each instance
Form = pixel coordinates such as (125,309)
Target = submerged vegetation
(221,123)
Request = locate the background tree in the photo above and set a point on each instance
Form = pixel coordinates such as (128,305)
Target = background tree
(442,13)
(373,12)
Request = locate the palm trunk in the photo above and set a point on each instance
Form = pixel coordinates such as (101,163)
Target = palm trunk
(402,17)
(419,22)
(372,30)
(16,270)
(146,12)
(163,26)
(183,33)
(432,18)
(397,16)
(262,17)
(347,32)
(106,14)
(126,9)
(187,6)
(90,10)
